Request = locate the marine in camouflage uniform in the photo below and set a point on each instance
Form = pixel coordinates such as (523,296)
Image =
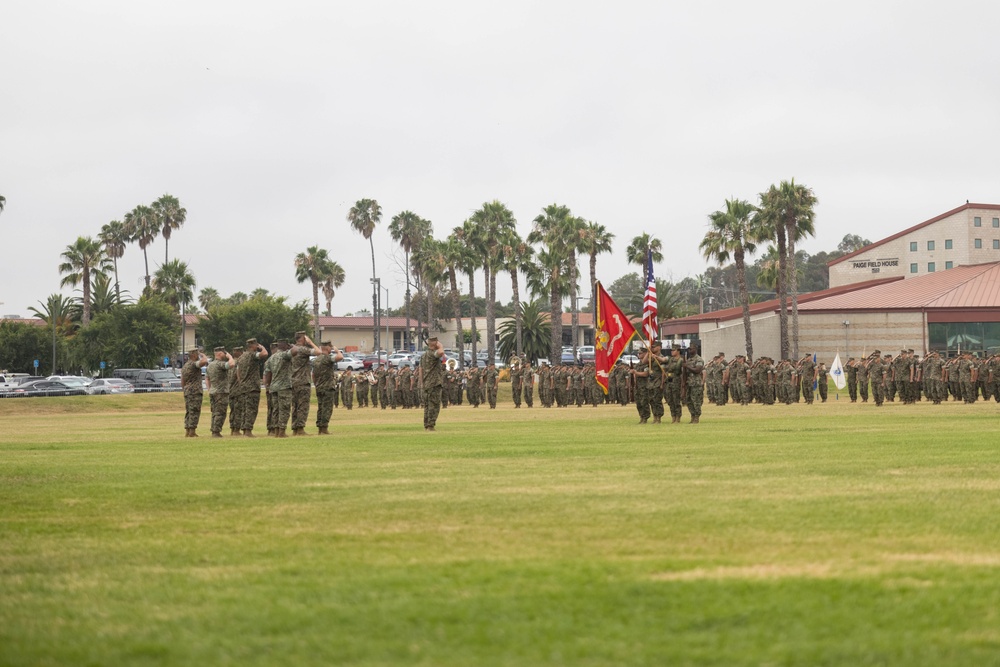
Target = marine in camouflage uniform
(516,381)
(851,372)
(217,379)
(934,378)
(280,384)
(694,372)
(303,349)
(473,386)
(640,375)
(864,376)
(967,377)
(269,393)
(404,379)
(431,373)
(392,382)
(544,385)
(235,396)
(249,368)
(823,381)
(362,389)
(528,384)
(383,386)
(900,373)
(324,379)
(655,382)
(673,368)
(491,381)
(347,381)
(193,392)
(807,377)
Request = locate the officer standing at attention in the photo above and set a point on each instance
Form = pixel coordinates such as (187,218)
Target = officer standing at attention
(431,373)
(491,379)
(248,375)
(193,393)
(694,371)
(640,375)
(217,381)
(324,380)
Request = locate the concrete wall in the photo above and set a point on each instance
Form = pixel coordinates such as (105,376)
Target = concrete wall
(896,259)
(731,339)
(826,334)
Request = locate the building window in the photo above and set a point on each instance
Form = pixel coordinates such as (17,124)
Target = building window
(996,244)
(913,267)
(930,267)
(947,244)
(948,265)
(996,222)
(979,244)
(913,246)
(977,221)
(930,245)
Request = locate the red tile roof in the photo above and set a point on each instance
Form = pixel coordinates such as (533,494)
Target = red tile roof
(972,286)
(690,323)
(963,207)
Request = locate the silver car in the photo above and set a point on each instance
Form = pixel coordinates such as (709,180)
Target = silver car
(104,386)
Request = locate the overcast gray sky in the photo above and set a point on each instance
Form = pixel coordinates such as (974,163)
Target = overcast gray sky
(269,120)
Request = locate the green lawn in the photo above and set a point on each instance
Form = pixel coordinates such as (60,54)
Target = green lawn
(831,534)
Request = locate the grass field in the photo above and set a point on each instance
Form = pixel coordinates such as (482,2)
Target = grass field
(832,534)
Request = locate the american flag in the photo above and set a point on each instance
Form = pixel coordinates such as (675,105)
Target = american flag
(649,326)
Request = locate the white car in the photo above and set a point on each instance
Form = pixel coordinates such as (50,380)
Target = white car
(110,386)
(350,362)
(628,359)
(401,359)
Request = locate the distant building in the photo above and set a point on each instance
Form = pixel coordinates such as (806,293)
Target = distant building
(969,234)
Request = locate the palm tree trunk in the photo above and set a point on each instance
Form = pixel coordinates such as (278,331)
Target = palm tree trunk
(782,289)
(420,329)
(315,283)
(491,316)
(456,304)
(145,259)
(555,324)
(375,288)
(86,296)
(118,293)
(593,288)
(741,279)
(406,334)
(430,304)
(574,314)
(166,249)
(518,312)
(472,313)
(793,285)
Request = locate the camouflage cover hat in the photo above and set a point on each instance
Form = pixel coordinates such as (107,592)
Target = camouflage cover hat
(251,342)
(238,348)
(300,334)
(194,350)
(221,348)
(281,341)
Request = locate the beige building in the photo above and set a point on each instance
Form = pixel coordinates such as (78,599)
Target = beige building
(969,234)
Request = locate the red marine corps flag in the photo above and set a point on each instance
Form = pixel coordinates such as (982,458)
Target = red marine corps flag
(612,333)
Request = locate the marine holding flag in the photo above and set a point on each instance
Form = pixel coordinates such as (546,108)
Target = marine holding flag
(614,331)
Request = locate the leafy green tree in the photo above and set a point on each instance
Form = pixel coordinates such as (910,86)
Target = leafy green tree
(627,291)
(535,333)
(115,237)
(170,216)
(135,335)
(315,266)
(550,230)
(21,343)
(495,222)
(142,226)
(266,319)
(364,216)
(636,252)
(175,284)
(852,243)
(82,259)
(3,203)
(733,234)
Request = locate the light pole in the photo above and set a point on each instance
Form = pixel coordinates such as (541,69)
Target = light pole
(377,305)
(387,338)
(847,338)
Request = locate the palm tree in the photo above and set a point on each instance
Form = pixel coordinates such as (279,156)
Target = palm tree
(171,216)
(315,266)
(534,336)
(258,294)
(454,254)
(3,203)
(787,211)
(596,240)
(409,230)
(209,298)
(115,237)
(59,310)
(574,231)
(82,259)
(733,234)
(333,282)
(548,230)
(467,236)
(495,221)
(364,216)
(431,264)
(518,256)
(142,226)
(174,282)
(636,252)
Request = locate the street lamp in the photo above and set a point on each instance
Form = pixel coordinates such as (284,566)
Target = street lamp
(377,305)
(847,337)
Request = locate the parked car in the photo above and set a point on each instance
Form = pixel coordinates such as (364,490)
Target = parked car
(350,362)
(628,359)
(145,380)
(9,380)
(47,388)
(567,358)
(72,380)
(374,360)
(586,354)
(402,359)
(110,386)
